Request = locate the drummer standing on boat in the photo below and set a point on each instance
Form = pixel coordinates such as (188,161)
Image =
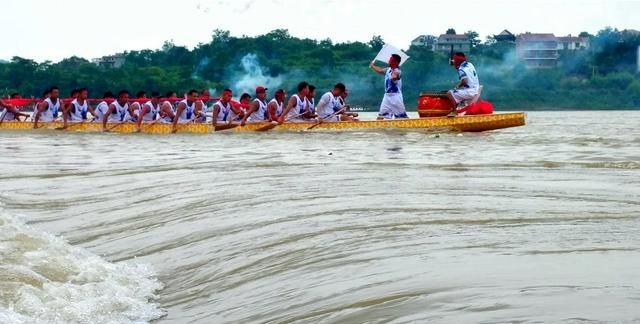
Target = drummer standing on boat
(392,106)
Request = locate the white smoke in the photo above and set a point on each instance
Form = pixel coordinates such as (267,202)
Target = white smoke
(254,75)
(199,67)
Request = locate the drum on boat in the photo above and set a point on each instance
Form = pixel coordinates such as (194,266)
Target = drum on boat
(434,104)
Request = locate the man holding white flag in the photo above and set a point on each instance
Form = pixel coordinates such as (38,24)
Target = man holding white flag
(392,106)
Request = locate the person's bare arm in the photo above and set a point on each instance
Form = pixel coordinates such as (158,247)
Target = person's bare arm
(180,109)
(105,118)
(40,109)
(290,105)
(253,107)
(375,68)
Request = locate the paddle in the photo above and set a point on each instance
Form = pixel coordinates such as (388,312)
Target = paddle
(225,127)
(273,125)
(332,115)
(115,126)
(69,127)
(3,115)
(270,125)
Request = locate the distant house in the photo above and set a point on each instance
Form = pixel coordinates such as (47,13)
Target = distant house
(110,61)
(505,37)
(571,43)
(428,41)
(460,43)
(538,51)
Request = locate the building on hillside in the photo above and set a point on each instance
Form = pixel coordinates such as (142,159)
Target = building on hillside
(110,61)
(572,43)
(537,51)
(505,37)
(428,41)
(460,43)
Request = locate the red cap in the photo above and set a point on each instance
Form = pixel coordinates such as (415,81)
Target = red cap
(261,89)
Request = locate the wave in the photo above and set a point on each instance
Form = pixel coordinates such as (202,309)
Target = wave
(43,279)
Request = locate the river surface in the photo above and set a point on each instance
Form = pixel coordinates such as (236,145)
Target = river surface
(529,225)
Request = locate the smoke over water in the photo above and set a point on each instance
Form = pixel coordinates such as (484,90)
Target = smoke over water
(43,279)
(253,75)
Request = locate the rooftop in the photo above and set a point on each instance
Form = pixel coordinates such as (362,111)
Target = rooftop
(529,37)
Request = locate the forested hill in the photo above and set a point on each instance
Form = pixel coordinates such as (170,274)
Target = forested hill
(604,76)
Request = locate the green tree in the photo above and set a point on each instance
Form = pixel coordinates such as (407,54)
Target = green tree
(376,43)
(474,38)
(451,31)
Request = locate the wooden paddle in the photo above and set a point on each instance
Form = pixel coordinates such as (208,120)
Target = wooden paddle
(225,127)
(115,126)
(68,127)
(273,125)
(270,125)
(330,116)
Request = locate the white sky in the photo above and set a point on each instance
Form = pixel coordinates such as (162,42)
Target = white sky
(51,30)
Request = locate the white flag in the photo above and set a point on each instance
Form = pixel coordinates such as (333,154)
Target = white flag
(387,51)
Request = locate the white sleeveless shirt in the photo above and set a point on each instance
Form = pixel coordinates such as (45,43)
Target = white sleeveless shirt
(279,106)
(79,112)
(188,114)
(261,114)
(153,111)
(225,111)
(51,113)
(298,109)
(122,111)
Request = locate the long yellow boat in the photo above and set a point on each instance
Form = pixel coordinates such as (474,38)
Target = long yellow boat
(455,124)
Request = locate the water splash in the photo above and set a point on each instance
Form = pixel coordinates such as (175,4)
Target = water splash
(43,279)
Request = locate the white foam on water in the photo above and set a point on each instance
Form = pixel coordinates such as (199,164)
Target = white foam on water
(43,279)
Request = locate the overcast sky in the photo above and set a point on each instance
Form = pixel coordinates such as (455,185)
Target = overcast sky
(51,30)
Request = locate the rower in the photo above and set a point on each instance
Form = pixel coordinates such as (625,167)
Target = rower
(150,110)
(48,109)
(238,112)
(330,108)
(343,104)
(297,105)
(186,112)
(45,94)
(311,103)
(222,108)
(275,106)
(202,106)
(101,109)
(66,106)
(167,108)
(257,111)
(392,106)
(120,108)
(11,112)
(134,107)
(78,108)
(469,85)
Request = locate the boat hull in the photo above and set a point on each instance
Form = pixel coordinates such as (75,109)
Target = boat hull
(457,124)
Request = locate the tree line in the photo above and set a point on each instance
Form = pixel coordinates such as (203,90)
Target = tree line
(604,76)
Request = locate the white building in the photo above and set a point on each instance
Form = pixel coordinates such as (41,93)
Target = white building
(571,43)
(110,61)
(428,41)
